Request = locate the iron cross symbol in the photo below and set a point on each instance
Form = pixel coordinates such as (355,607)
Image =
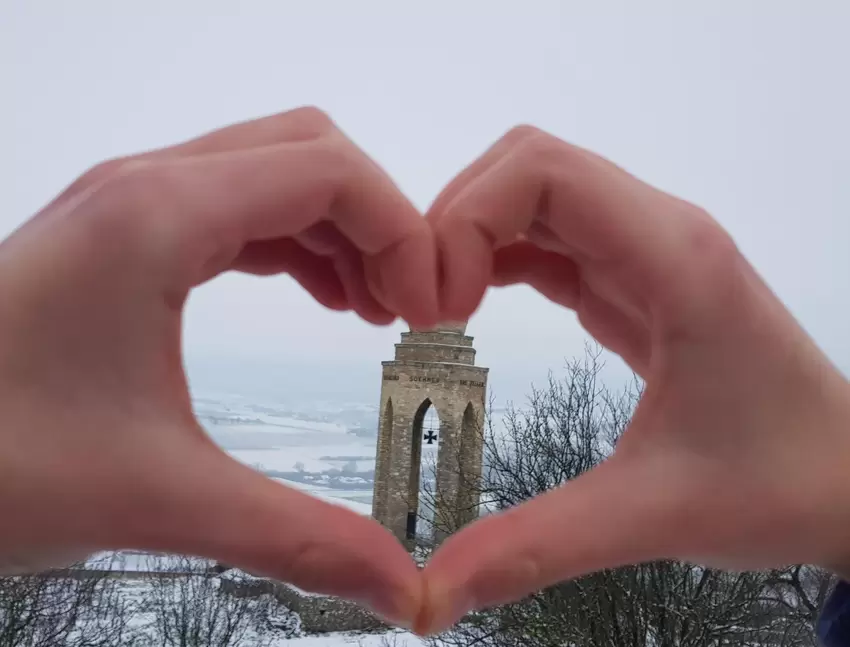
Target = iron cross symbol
(430,437)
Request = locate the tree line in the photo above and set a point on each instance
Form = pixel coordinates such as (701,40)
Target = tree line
(184,605)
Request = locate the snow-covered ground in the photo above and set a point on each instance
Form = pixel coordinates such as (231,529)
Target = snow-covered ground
(144,562)
(141,601)
(312,444)
(305,452)
(352,499)
(389,639)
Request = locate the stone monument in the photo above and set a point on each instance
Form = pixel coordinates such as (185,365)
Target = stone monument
(432,368)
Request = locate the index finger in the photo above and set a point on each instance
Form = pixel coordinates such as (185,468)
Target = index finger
(599,213)
(216,204)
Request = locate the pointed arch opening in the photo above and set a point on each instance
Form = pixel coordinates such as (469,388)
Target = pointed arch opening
(425,438)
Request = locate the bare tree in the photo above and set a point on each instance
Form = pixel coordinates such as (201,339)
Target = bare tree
(190,609)
(566,428)
(389,639)
(67,608)
(796,595)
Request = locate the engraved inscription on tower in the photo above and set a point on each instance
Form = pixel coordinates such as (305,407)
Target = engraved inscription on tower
(431,394)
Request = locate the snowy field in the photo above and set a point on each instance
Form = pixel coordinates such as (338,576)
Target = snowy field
(311,437)
(390,639)
(355,500)
(324,449)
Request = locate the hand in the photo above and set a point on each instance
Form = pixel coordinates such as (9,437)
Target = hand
(99,443)
(738,453)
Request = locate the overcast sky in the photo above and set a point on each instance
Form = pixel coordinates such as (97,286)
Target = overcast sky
(739,106)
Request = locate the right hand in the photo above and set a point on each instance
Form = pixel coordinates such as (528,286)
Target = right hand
(739,452)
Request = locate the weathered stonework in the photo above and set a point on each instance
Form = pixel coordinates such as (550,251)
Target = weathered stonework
(318,613)
(431,368)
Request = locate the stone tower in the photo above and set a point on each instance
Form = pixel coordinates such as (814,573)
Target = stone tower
(431,369)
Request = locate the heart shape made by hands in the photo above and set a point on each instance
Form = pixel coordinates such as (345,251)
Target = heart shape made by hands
(720,463)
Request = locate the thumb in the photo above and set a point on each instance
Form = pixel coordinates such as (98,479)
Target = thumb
(226,511)
(608,517)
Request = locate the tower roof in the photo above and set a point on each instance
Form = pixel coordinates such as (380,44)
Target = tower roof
(458,328)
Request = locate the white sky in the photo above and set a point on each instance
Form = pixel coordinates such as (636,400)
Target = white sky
(741,106)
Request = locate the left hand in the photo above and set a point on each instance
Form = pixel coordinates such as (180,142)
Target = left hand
(99,448)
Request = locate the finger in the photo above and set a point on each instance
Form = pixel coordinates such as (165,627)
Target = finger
(323,261)
(217,508)
(315,273)
(217,204)
(606,518)
(350,268)
(554,275)
(477,168)
(648,239)
(559,278)
(301,124)
(325,239)
(329,280)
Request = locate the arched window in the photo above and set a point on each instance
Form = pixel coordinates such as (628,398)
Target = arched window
(422,484)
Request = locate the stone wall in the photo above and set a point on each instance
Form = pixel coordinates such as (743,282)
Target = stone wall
(457,338)
(318,613)
(445,353)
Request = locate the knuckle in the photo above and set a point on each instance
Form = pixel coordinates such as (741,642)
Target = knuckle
(103,170)
(705,235)
(709,247)
(339,159)
(108,230)
(135,182)
(136,199)
(334,167)
(314,121)
(95,176)
(521,132)
(542,152)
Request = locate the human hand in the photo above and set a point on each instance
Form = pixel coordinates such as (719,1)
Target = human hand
(99,448)
(102,441)
(738,453)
